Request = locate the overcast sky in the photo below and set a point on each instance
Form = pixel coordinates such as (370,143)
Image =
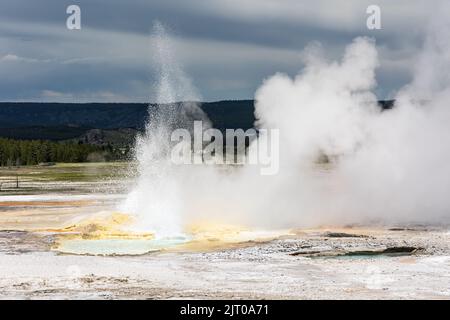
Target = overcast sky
(227,47)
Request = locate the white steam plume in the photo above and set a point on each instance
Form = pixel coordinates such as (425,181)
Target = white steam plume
(388,166)
(402,174)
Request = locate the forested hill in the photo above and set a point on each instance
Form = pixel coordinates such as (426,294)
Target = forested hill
(232,114)
(106,123)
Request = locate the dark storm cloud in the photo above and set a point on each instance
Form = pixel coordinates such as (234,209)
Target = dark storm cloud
(227,47)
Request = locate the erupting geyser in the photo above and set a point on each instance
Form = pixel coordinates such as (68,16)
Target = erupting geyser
(386,166)
(155,201)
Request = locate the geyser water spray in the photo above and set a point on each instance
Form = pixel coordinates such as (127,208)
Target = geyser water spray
(155,200)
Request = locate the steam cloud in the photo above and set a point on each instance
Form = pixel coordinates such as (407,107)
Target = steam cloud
(384,167)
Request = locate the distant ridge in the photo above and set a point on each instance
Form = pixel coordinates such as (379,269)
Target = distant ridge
(61,121)
(231,114)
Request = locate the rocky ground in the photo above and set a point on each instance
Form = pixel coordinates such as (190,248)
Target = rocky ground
(309,265)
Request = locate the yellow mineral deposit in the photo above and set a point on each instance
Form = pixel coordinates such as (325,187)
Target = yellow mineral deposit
(103,226)
(112,234)
(212,235)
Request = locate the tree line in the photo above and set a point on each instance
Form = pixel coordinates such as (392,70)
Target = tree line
(32,152)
